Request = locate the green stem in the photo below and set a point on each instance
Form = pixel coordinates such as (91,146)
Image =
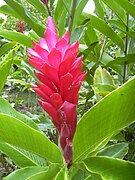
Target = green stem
(126,52)
(48,9)
(71,20)
(102,51)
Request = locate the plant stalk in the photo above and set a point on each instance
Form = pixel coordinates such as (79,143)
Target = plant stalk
(71,20)
(126,52)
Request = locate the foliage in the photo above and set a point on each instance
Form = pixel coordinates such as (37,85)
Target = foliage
(104,144)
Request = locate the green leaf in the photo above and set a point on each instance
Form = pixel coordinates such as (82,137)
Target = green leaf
(98,9)
(49,174)
(78,12)
(6,47)
(102,76)
(117,9)
(123,28)
(129,7)
(101,26)
(18,157)
(6,108)
(4,70)
(62,174)
(24,15)
(91,37)
(129,58)
(16,133)
(103,89)
(77,33)
(18,37)
(38,5)
(25,173)
(116,151)
(5,9)
(110,168)
(114,112)
(103,82)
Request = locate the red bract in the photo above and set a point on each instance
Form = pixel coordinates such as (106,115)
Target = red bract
(61,77)
(20,25)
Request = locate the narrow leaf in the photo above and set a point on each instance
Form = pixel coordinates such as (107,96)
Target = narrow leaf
(6,47)
(18,37)
(128,6)
(117,9)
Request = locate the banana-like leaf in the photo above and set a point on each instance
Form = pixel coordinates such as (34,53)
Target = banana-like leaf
(114,112)
(25,173)
(52,171)
(6,108)
(99,9)
(16,133)
(62,174)
(111,168)
(17,157)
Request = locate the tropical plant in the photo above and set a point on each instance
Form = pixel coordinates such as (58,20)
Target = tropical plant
(106,106)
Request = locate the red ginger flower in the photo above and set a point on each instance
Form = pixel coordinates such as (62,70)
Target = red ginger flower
(60,73)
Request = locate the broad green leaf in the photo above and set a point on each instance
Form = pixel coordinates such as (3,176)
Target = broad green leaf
(102,76)
(6,108)
(62,174)
(114,112)
(103,89)
(24,15)
(16,133)
(25,173)
(18,157)
(117,9)
(101,26)
(98,9)
(129,7)
(78,11)
(6,47)
(110,168)
(53,169)
(35,158)
(103,82)
(116,151)
(129,58)
(38,5)
(4,70)
(18,37)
